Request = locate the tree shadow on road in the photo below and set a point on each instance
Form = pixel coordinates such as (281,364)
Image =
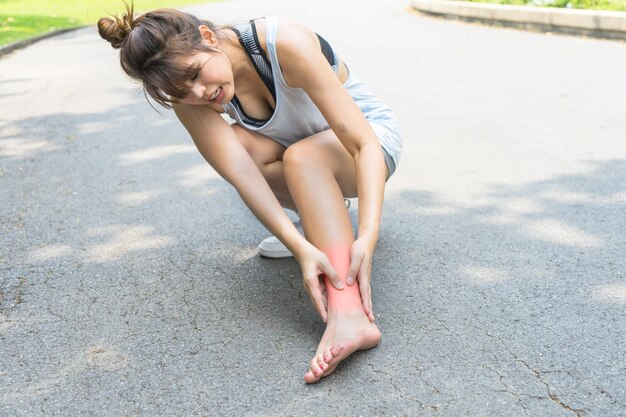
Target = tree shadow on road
(527,284)
(119,237)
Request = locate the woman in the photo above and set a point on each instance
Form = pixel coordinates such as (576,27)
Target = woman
(307,134)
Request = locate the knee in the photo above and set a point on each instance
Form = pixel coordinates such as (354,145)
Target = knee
(299,155)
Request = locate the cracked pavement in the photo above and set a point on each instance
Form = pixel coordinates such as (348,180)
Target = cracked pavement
(130,284)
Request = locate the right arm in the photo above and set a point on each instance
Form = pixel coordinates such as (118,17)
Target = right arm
(218,144)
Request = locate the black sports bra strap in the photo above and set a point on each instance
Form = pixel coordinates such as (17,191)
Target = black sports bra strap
(249,40)
(327,50)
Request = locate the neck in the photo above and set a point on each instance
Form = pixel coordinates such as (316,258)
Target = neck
(234,51)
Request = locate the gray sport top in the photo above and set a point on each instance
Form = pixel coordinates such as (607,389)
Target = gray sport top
(295,116)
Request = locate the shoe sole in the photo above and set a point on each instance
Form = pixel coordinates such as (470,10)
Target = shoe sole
(275,254)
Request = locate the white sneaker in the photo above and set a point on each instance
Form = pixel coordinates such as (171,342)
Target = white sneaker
(273,248)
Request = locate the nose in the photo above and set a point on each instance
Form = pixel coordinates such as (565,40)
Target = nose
(197,90)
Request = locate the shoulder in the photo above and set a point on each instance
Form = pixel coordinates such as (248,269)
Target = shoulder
(299,51)
(294,38)
(294,33)
(291,36)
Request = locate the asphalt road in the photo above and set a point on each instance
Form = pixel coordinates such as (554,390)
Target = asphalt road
(129,279)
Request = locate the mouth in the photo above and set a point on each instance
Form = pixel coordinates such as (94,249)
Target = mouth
(215,94)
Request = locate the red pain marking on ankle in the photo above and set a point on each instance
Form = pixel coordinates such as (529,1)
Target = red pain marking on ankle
(348,299)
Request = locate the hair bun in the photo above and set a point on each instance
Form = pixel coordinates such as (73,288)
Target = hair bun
(115,30)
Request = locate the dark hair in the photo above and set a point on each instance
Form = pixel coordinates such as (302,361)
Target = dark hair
(151,45)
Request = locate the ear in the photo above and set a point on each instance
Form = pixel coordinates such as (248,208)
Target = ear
(208,35)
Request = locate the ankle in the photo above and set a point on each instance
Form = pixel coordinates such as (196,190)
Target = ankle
(351,314)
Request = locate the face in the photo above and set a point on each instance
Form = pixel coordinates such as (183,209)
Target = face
(212,82)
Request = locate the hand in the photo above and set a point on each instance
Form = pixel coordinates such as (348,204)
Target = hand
(360,268)
(314,264)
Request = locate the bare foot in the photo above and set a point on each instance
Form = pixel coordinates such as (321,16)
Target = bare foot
(346,332)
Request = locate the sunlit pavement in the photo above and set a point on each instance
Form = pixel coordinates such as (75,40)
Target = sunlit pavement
(130,283)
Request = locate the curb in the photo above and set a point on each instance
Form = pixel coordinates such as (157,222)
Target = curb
(595,23)
(26,42)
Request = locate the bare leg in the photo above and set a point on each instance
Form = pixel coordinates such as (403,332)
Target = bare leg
(319,172)
(268,155)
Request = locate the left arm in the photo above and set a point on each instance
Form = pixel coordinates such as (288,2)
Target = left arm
(305,66)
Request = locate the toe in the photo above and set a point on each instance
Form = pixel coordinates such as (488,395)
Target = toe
(327,355)
(309,378)
(321,362)
(315,368)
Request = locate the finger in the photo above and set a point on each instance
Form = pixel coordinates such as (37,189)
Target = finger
(364,288)
(318,303)
(365,297)
(325,300)
(355,262)
(319,306)
(333,276)
(323,292)
(370,307)
(313,288)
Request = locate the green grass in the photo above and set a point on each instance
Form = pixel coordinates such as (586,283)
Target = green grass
(20,19)
(614,5)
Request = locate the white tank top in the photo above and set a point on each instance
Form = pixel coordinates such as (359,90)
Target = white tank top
(296,117)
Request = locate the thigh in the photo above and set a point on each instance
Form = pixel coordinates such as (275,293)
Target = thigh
(262,149)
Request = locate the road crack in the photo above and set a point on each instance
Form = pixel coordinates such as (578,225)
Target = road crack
(538,374)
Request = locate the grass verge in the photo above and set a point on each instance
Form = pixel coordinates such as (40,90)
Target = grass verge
(612,5)
(21,19)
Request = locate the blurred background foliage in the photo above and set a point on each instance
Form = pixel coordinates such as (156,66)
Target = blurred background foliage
(20,19)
